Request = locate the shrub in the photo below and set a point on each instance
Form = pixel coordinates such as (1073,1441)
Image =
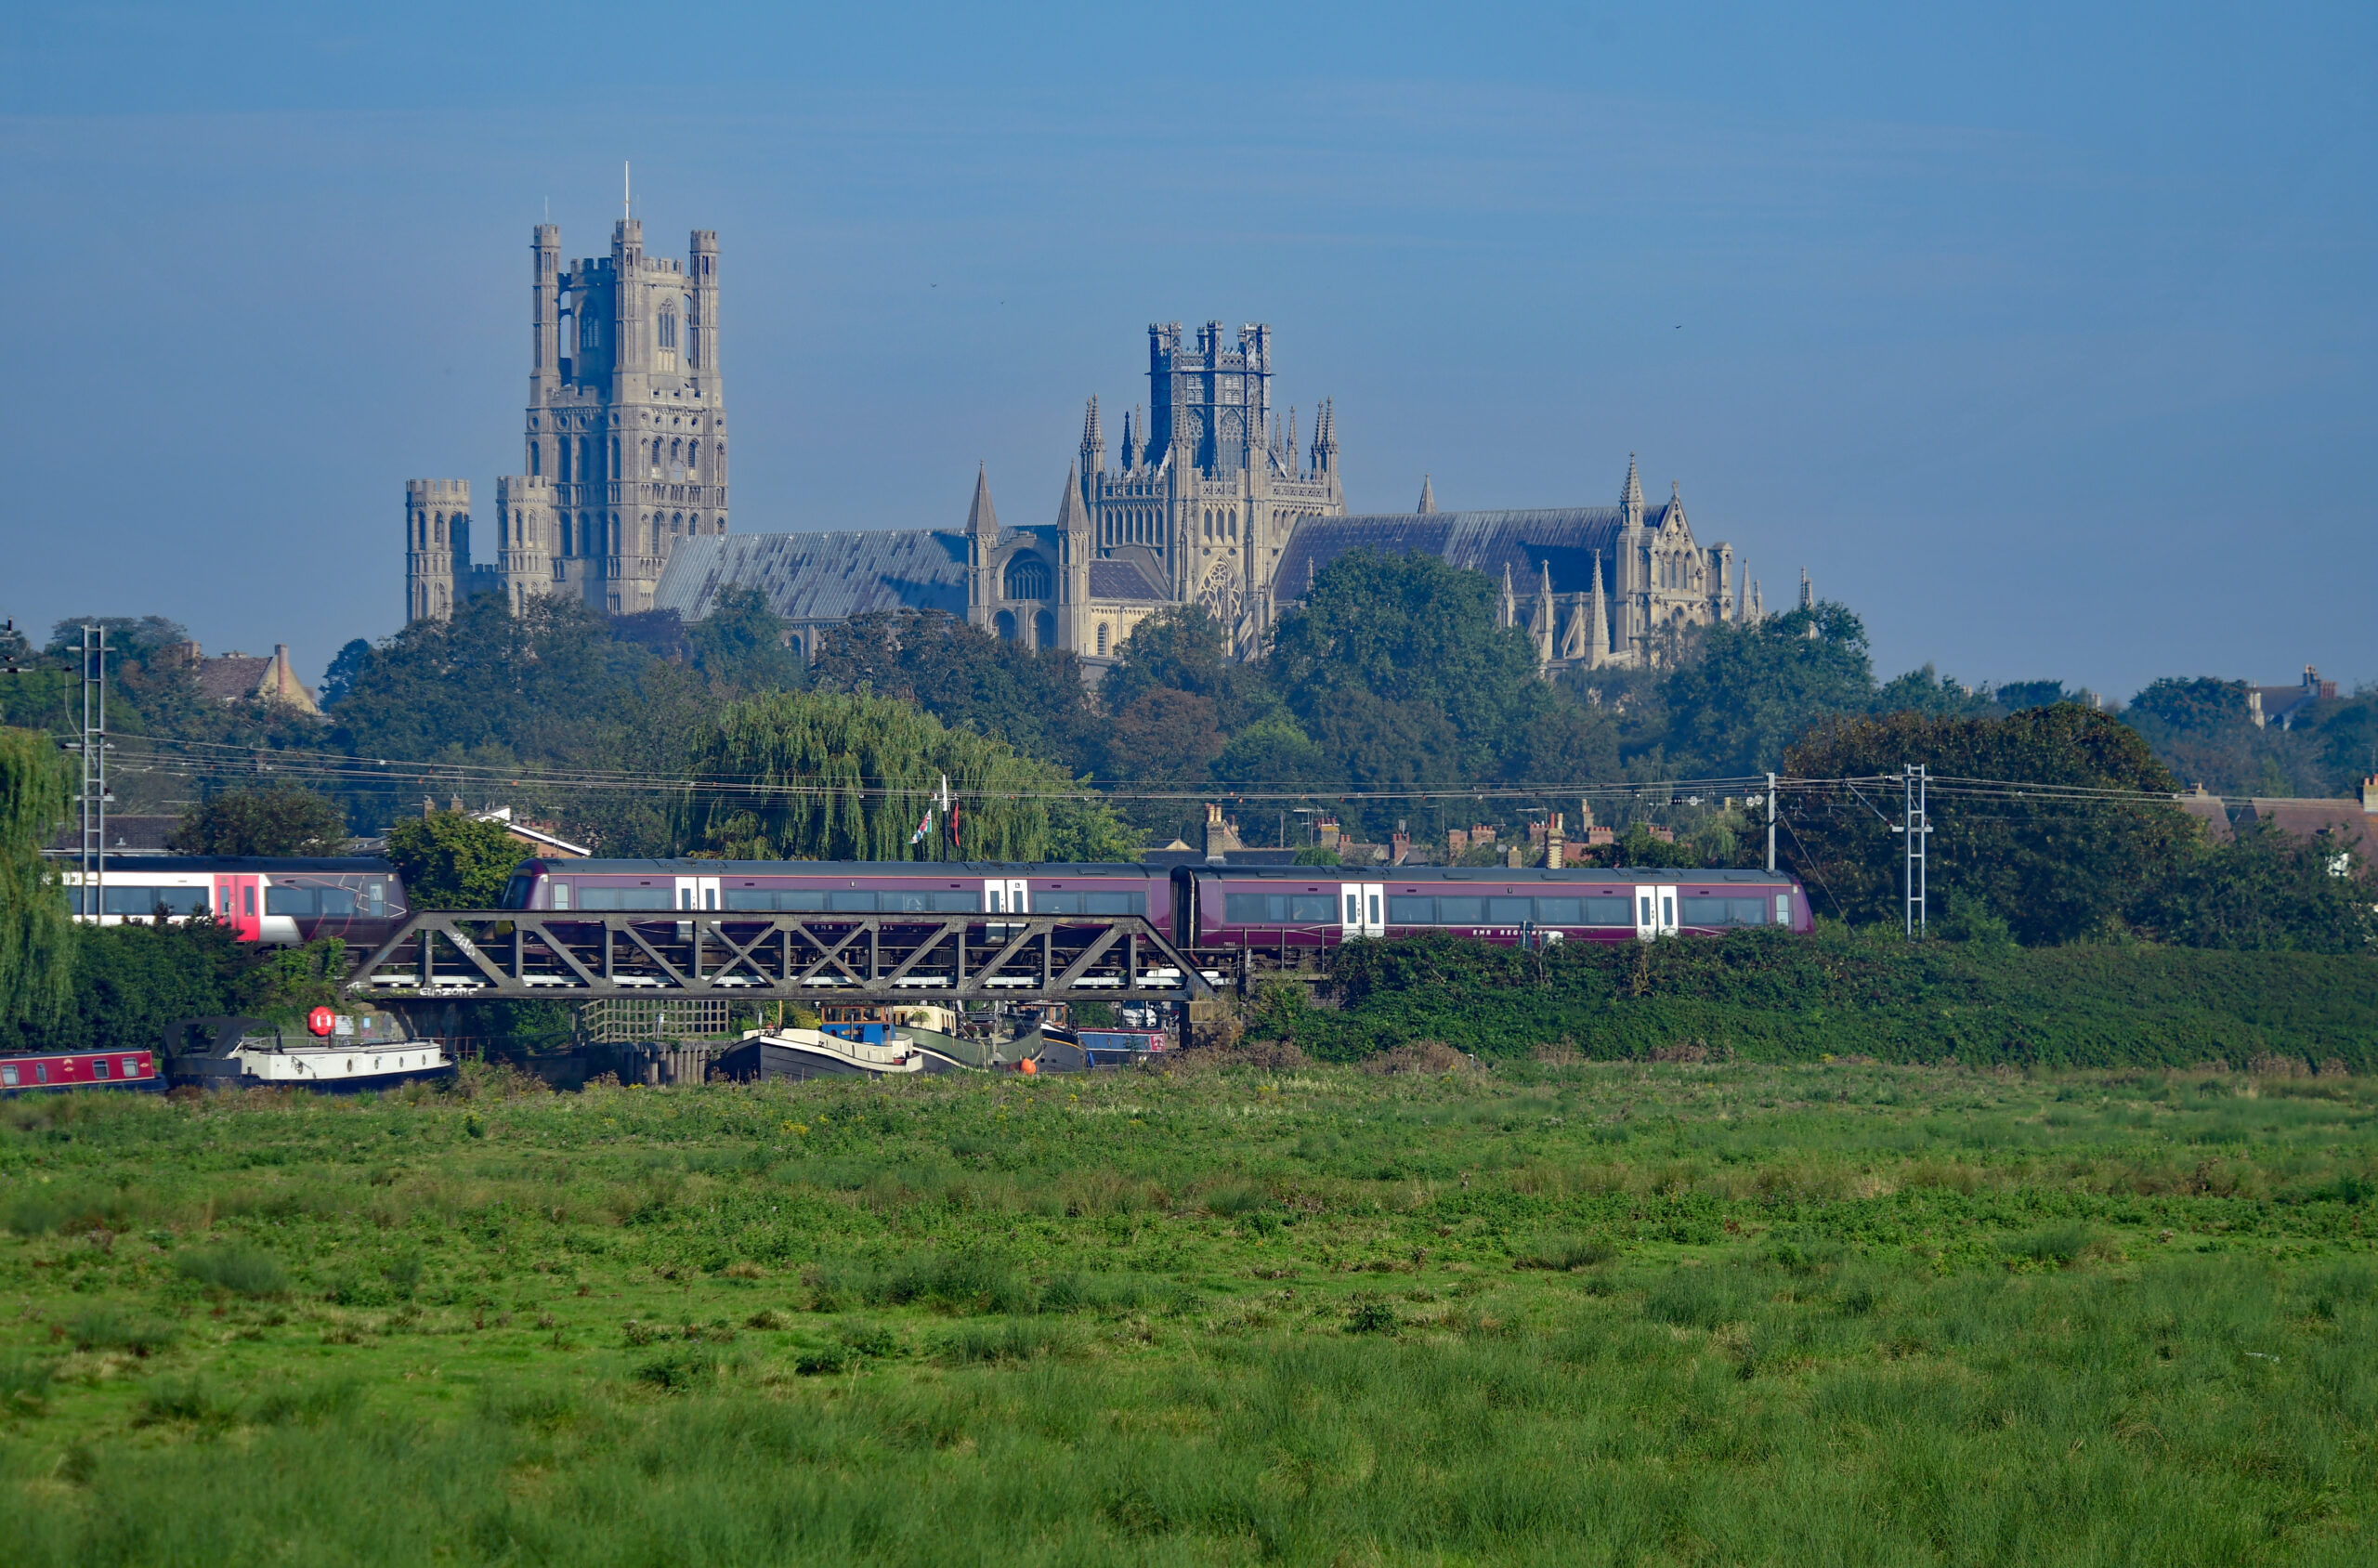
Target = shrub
(24,1382)
(97,1328)
(1372,1317)
(2057,1246)
(1014,1340)
(1562,1252)
(679,1368)
(237,1269)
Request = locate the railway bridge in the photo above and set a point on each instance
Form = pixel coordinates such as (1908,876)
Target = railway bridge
(576,956)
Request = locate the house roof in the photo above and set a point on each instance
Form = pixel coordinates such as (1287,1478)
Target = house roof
(2210,811)
(2353,825)
(130,834)
(231,676)
(811,577)
(1566,537)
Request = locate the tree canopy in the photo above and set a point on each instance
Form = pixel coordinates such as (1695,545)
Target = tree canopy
(850,775)
(2053,868)
(279,820)
(37,931)
(452,860)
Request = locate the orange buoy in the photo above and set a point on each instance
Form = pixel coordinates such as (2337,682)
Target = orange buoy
(1028,1065)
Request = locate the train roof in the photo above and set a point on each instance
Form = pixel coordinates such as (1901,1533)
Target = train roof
(960,868)
(144,863)
(1488,874)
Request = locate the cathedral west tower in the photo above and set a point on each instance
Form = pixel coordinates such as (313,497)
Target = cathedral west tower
(626,440)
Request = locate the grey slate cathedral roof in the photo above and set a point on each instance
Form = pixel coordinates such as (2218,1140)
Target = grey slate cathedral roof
(812,577)
(1567,537)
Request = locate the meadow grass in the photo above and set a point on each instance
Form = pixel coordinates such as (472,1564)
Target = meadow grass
(1603,1312)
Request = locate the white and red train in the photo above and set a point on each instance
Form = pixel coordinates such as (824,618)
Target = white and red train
(277,902)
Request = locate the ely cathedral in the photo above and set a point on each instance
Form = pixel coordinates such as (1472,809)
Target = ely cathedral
(1211,499)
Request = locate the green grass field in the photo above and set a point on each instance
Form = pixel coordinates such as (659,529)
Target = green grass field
(1833,1314)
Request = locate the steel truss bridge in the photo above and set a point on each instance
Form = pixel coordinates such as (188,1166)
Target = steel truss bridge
(566,956)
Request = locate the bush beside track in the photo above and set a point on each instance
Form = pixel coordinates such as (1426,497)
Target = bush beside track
(1762,997)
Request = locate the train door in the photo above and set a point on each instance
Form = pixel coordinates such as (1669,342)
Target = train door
(1002,897)
(1365,907)
(1654,912)
(239,902)
(696,892)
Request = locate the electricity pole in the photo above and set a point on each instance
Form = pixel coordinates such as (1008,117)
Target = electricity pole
(92,860)
(1770,822)
(1916,823)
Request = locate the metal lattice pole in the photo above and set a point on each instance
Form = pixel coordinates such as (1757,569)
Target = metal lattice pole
(1770,823)
(92,859)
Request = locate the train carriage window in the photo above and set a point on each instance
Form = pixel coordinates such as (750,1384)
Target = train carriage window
(1461,912)
(1609,910)
(1782,908)
(623,897)
(1045,902)
(907,903)
(957,903)
(1706,912)
(147,900)
(802,900)
(749,899)
(8,1077)
(1119,904)
(561,895)
(282,899)
(1749,911)
(1559,911)
(850,902)
(100,1068)
(1510,912)
(1410,911)
(1312,908)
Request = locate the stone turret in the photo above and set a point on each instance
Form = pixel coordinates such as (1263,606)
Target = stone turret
(1428,506)
(438,538)
(523,535)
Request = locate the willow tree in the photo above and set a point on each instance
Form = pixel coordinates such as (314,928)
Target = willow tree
(833,776)
(36,934)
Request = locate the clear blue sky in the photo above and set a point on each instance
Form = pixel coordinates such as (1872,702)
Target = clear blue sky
(2041,335)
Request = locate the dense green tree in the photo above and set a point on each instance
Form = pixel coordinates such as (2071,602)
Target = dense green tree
(1273,750)
(548,688)
(278,820)
(740,645)
(1184,649)
(1926,691)
(37,931)
(1742,693)
(452,860)
(2204,731)
(2054,869)
(835,776)
(1032,698)
(2268,888)
(1166,738)
(2016,696)
(1392,636)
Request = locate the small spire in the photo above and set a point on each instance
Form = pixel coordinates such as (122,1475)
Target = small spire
(1428,497)
(1630,498)
(980,518)
(1073,516)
